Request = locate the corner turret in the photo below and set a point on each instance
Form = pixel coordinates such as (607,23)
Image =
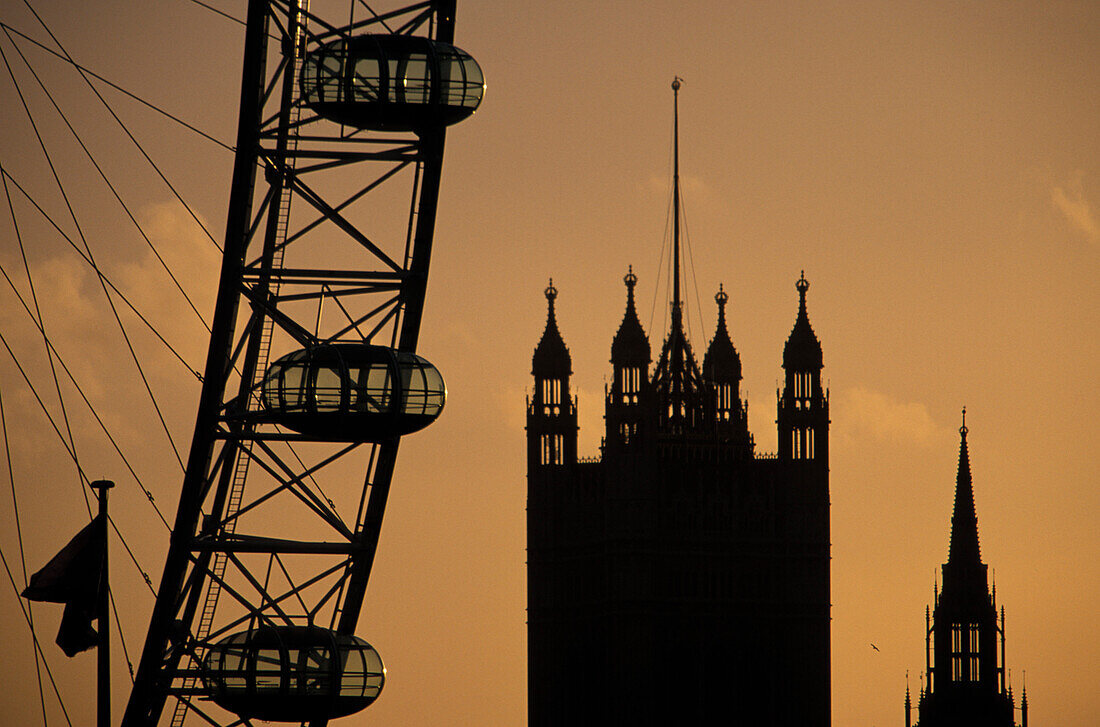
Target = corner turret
(803,409)
(722,374)
(551,412)
(630,357)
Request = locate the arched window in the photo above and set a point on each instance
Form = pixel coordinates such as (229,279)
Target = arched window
(965,660)
(802,443)
(551,396)
(631,378)
(552,446)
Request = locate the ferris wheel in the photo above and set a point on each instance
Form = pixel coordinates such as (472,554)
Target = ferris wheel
(311,373)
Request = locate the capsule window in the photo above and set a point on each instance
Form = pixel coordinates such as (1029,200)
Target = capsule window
(366,79)
(328,79)
(328,389)
(291,390)
(391,82)
(461,79)
(355,391)
(375,395)
(292,673)
(316,670)
(422,386)
(269,670)
(417,79)
(234,664)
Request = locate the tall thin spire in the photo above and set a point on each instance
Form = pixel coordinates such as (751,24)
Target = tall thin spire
(964,520)
(676,83)
(678,382)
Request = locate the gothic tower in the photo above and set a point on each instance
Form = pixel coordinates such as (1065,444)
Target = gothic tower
(630,358)
(722,374)
(551,413)
(803,406)
(964,642)
(680,577)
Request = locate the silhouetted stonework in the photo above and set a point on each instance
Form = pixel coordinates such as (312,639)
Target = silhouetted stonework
(681,579)
(965,684)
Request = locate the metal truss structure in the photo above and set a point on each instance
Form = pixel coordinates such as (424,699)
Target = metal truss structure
(296,546)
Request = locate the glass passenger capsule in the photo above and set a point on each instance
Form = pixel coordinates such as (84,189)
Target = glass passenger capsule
(391,82)
(292,673)
(353,392)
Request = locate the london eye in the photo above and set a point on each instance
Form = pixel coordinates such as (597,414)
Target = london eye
(312,374)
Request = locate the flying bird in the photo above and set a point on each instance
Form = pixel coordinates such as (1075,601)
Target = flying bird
(874,647)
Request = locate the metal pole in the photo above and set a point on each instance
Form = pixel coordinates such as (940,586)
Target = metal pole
(676,192)
(103,678)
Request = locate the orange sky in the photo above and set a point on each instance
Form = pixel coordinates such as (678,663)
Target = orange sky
(933,167)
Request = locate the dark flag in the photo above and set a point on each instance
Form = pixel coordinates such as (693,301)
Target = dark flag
(74,577)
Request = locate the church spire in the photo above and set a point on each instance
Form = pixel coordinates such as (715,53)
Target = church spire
(966,679)
(803,350)
(630,347)
(908,704)
(676,303)
(551,358)
(803,416)
(722,364)
(551,410)
(677,380)
(964,520)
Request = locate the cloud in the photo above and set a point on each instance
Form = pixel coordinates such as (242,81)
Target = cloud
(860,412)
(1070,201)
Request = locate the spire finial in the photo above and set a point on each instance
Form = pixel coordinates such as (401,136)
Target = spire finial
(721,298)
(551,355)
(964,520)
(802,285)
(676,83)
(630,347)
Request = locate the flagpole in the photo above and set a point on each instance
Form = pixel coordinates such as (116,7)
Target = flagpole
(103,678)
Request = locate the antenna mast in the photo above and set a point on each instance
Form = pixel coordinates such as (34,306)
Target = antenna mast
(676,83)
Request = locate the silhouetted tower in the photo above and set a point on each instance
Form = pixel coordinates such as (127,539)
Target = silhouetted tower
(551,412)
(803,406)
(679,578)
(965,640)
(626,418)
(722,373)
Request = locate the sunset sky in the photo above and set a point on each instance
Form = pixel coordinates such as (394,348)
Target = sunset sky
(933,167)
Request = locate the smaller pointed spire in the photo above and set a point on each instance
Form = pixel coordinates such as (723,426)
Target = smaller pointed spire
(722,364)
(803,350)
(551,358)
(964,520)
(908,703)
(630,347)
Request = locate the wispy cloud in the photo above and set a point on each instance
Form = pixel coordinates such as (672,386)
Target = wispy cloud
(861,412)
(1070,201)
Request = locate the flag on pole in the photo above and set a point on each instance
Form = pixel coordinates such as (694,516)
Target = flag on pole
(74,577)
